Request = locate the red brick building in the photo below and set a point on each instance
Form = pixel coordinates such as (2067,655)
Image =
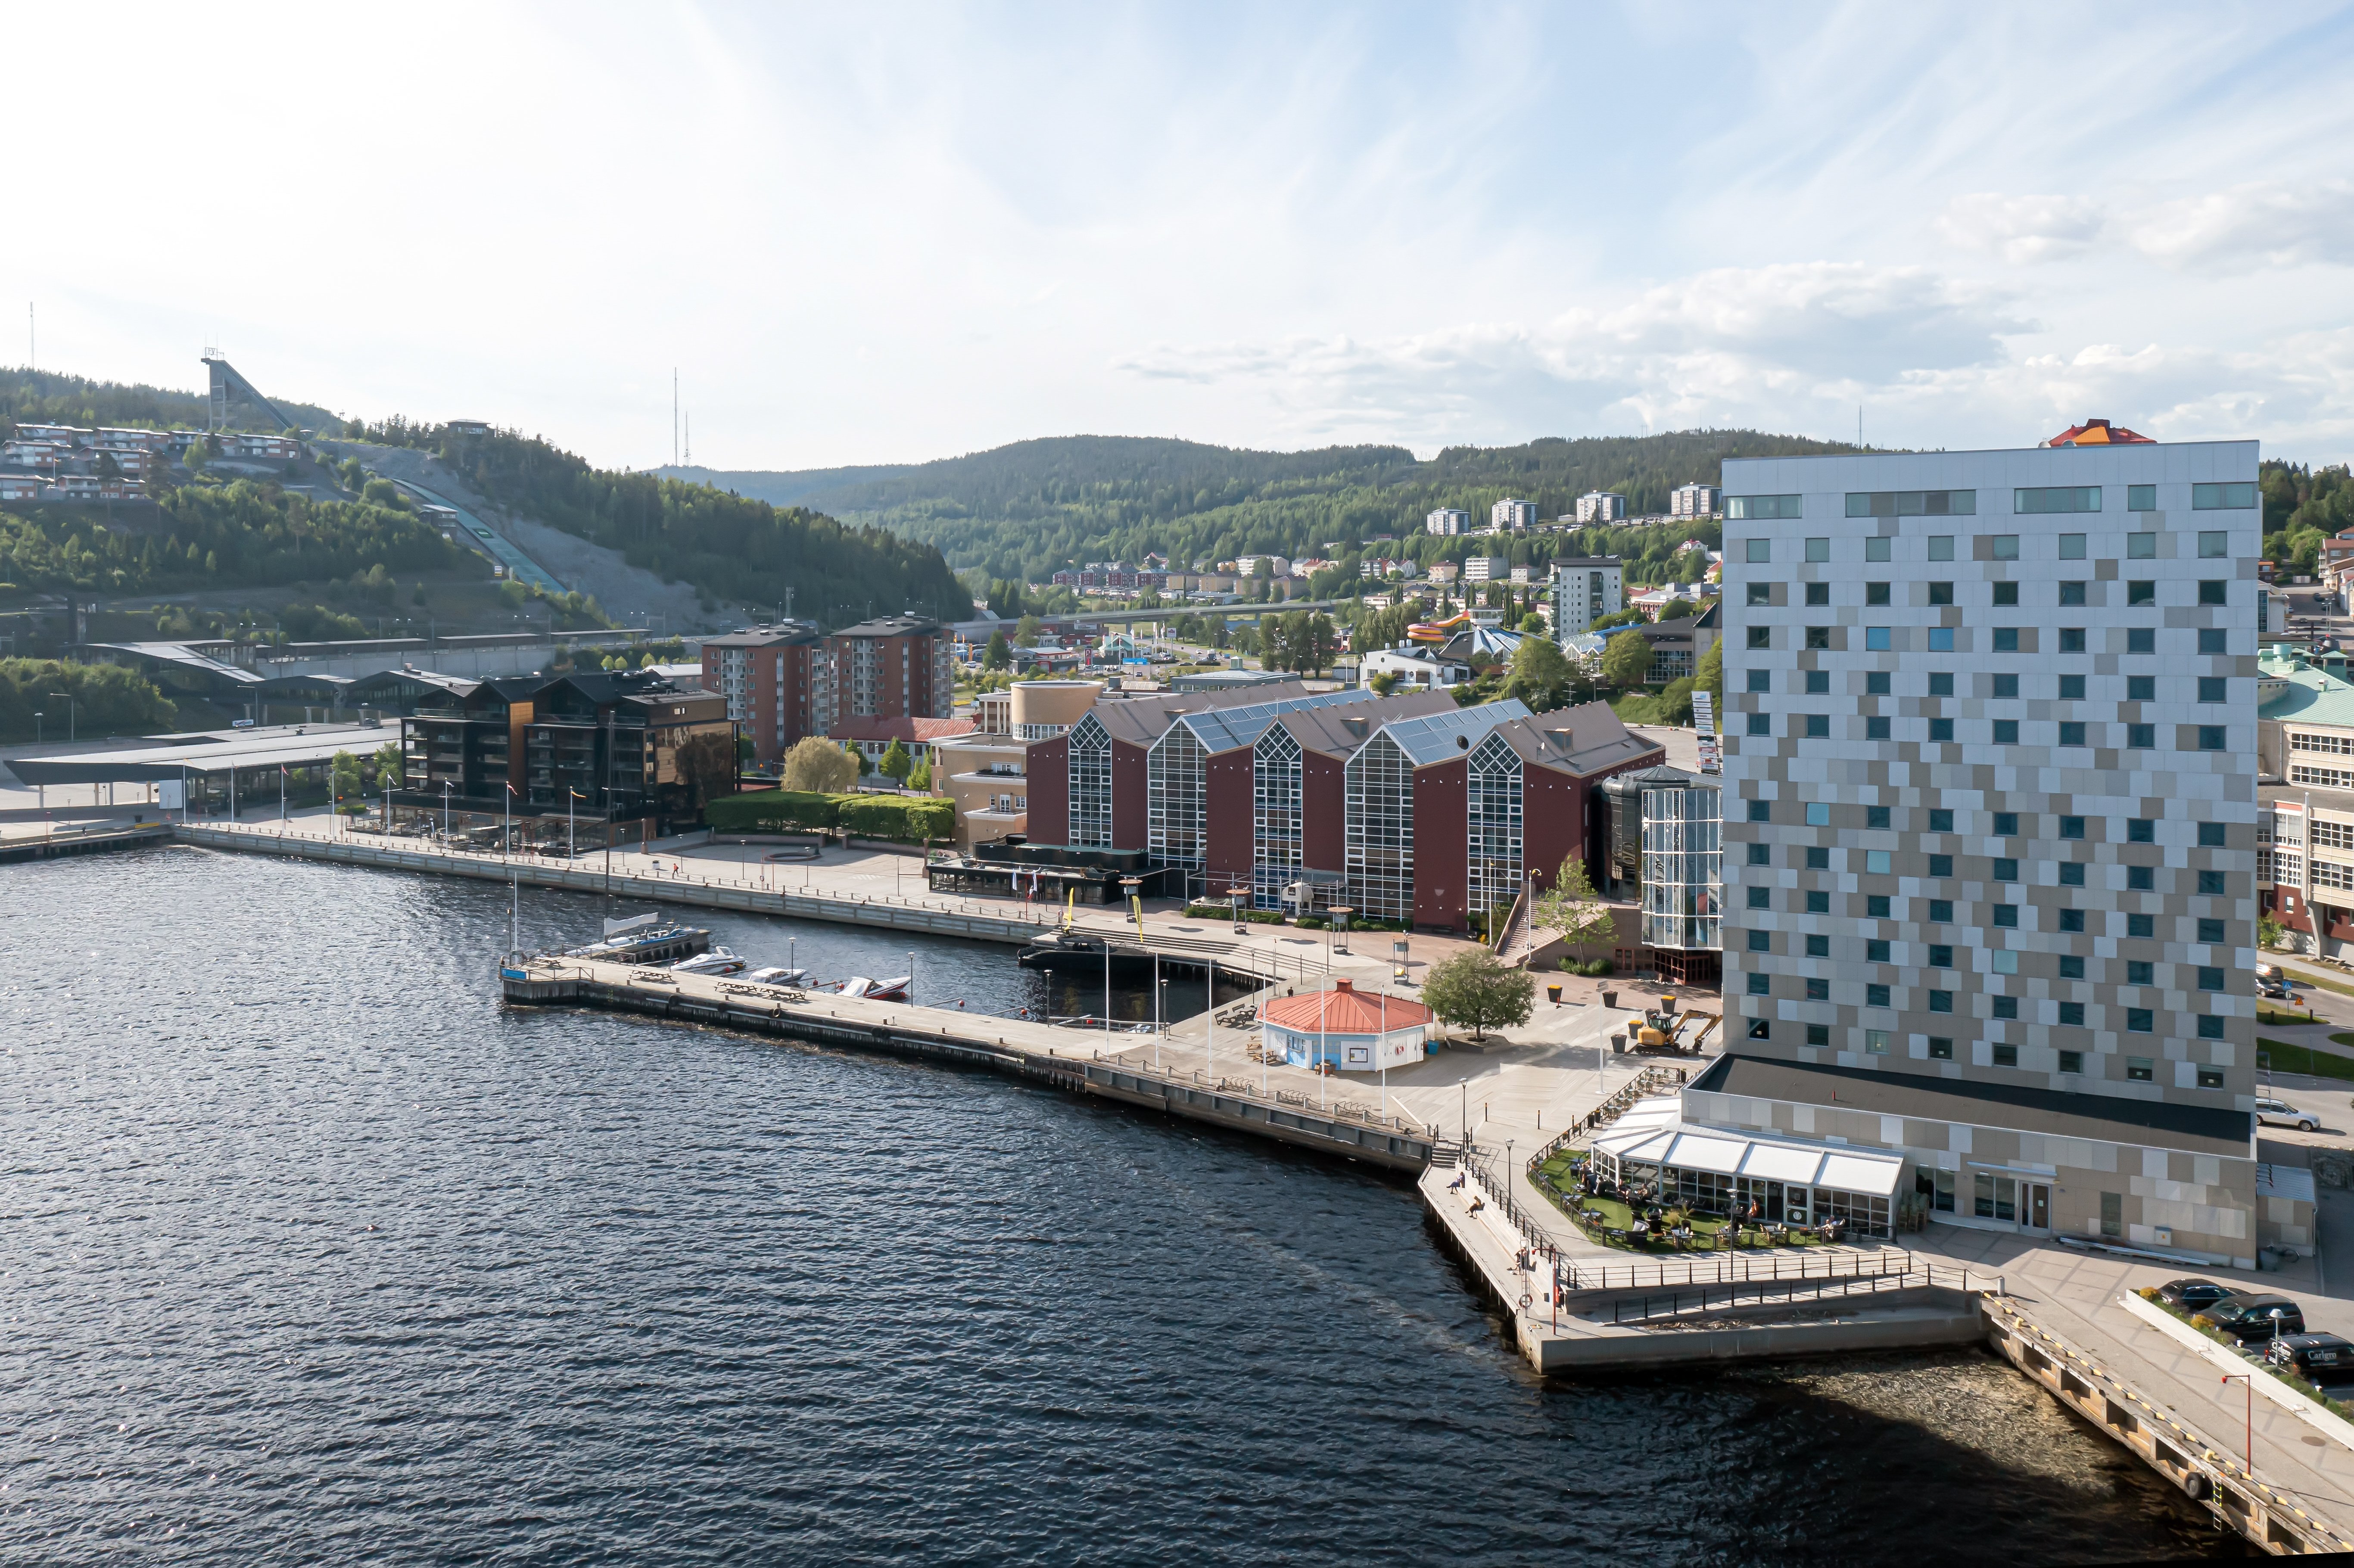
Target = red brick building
(895,666)
(779,683)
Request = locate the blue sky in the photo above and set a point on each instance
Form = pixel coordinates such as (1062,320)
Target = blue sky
(868,234)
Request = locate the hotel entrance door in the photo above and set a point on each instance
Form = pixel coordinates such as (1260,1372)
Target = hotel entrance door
(2035,1206)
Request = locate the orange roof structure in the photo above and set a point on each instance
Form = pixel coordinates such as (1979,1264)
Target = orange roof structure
(2099,433)
(1344,1010)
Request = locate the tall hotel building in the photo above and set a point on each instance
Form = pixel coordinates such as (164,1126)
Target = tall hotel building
(1990,834)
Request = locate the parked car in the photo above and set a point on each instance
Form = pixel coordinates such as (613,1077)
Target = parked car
(2280,1113)
(2257,1316)
(2193,1295)
(2317,1358)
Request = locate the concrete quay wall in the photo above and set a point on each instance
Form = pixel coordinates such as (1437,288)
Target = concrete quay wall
(883,912)
(2276,1520)
(1062,1058)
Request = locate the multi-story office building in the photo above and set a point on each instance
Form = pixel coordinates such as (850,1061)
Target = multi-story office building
(1990,831)
(1486,568)
(1512,514)
(1601,506)
(1585,589)
(596,747)
(1693,501)
(1448,521)
(897,666)
(777,683)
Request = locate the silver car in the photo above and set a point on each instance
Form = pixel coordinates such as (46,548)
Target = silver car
(2280,1113)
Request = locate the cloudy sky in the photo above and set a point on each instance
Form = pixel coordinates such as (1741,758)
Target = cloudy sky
(874,234)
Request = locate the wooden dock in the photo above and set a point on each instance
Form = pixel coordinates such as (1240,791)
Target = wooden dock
(1068,1059)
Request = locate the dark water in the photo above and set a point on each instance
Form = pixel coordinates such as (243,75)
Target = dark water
(313,1252)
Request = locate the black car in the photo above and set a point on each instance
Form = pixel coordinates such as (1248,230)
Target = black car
(2193,1295)
(2256,1316)
(2317,1358)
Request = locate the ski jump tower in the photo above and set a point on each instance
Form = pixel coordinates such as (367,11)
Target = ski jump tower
(228,387)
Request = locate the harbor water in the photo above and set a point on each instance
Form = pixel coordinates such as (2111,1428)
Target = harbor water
(313,1252)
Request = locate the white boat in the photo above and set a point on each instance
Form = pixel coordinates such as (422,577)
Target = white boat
(878,989)
(776,974)
(718,961)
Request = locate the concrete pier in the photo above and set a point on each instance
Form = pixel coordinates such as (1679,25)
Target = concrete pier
(1076,1060)
(21,840)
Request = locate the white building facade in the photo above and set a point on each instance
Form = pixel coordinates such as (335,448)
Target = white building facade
(1585,589)
(1512,514)
(1448,521)
(1601,506)
(1693,501)
(1990,829)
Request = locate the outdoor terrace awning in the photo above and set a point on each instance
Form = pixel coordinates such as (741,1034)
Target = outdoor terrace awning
(1867,1172)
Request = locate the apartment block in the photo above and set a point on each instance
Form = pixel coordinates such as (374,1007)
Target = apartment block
(1693,501)
(897,666)
(1990,831)
(1601,506)
(1486,568)
(1448,521)
(1512,514)
(1585,589)
(777,683)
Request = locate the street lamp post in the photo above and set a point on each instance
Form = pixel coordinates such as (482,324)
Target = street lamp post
(1340,913)
(445,809)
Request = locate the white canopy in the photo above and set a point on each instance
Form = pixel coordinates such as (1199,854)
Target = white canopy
(1868,1172)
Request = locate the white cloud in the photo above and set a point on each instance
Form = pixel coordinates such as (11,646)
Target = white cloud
(2022,229)
(2249,228)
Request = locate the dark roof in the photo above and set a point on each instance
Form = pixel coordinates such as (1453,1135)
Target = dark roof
(1141,721)
(766,637)
(2110,1118)
(1581,740)
(893,626)
(1341,729)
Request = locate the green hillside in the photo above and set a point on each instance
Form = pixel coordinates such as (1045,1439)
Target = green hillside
(49,398)
(734,548)
(1026,510)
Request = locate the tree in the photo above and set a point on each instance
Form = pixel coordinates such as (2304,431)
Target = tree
(1627,659)
(998,653)
(815,764)
(921,778)
(1572,907)
(1025,631)
(391,767)
(343,773)
(1478,988)
(897,763)
(1533,624)
(1711,676)
(1677,609)
(745,751)
(2269,931)
(1384,682)
(1540,674)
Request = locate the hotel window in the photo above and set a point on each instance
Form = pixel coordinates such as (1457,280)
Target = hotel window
(2141,688)
(1760,941)
(1875,640)
(2006,685)
(2140,1021)
(1941,1049)
(1759,1029)
(1875,548)
(1761,854)
(2213,590)
(2004,1007)
(1941,729)
(1761,679)
(1941,865)
(1738,508)
(2072,920)
(1876,862)
(2141,831)
(1819,814)
(1818,549)
(1941,685)
(2211,1026)
(1819,990)
(1876,684)
(1941,911)
(1818,638)
(2140,879)
(1818,593)
(1761,637)
(2072,876)
(2214,544)
(1875,906)
(1819,1034)
(2072,596)
(1941,593)
(1761,985)
(2210,737)
(1818,947)
(2072,966)
(2141,546)
(1876,730)
(1877,817)
(1760,594)
(2006,1056)
(1912,503)
(1941,640)
(1813,726)
(1875,1041)
(2071,688)
(1819,903)
(1877,996)
(2072,1061)
(2005,546)
(2005,868)
(2070,498)
(2005,593)
(2140,971)
(1875,593)
(2141,737)
(2222,497)
(1759,723)
(2212,689)
(2209,979)
(2073,1014)
(2141,498)
(1941,546)
(2072,827)
(2141,592)
(1817,682)
(2141,640)
(1875,950)
(2006,732)
(1941,956)
(1941,1001)
(2072,640)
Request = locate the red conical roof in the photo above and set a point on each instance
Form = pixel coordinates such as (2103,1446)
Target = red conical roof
(1344,1010)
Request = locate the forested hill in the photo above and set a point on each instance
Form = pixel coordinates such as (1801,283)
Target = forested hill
(48,398)
(735,548)
(1025,510)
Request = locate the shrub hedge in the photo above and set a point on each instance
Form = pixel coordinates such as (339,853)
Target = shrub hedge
(905,819)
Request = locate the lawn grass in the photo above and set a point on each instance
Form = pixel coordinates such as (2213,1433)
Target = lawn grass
(2287,1058)
(2304,978)
(2274,1016)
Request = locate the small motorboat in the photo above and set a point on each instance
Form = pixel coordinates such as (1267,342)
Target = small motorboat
(877,990)
(776,974)
(718,961)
